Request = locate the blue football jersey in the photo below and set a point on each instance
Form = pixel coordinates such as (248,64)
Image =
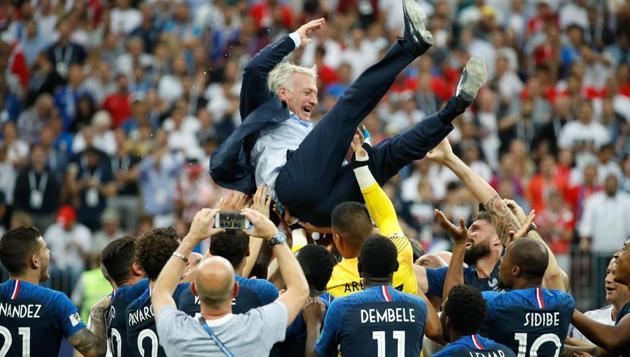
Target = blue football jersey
(295,339)
(475,346)
(115,318)
(529,321)
(625,310)
(33,319)
(142,336)
(252,293)
(437,276)
(379,321)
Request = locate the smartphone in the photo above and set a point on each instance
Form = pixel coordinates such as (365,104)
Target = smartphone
(230,220)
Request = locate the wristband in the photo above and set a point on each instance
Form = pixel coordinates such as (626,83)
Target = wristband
(180,256)
(295,226)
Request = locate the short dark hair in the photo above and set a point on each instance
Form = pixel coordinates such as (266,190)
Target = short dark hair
(483,216)
(530,255)
(317,264)
(117,258)
(17,246)
(352,220)
(465,309)
(154,249)
(378,257)
(232,245)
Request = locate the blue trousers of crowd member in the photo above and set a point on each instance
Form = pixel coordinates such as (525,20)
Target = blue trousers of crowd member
(313,181)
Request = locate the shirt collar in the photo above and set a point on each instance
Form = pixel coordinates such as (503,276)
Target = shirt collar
(220,321)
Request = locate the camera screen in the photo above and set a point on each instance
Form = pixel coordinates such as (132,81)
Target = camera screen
(232,220)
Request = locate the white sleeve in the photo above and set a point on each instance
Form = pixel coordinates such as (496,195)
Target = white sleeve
(296,39)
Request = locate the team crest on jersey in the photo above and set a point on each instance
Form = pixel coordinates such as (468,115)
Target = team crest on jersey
(75,319)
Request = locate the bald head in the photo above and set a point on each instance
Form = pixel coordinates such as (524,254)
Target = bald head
(214,281)
(530,255)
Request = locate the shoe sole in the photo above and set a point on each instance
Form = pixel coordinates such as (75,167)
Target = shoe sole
(473,78)
(418,20)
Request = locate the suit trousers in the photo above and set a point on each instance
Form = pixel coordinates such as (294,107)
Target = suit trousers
(313,181)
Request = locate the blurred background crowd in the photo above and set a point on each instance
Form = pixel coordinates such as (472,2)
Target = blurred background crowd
(111,109)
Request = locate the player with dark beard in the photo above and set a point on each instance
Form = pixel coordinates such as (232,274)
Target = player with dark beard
(486,237)
(483,253)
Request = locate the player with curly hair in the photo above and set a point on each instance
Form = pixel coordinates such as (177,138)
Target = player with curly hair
(464,312)
(153,250)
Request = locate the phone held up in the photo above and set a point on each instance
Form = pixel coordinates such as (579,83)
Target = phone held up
(230,221)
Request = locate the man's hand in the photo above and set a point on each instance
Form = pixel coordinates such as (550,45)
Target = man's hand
(261,201)
(442,153)
(431,261)
(313,311)
(202,225)
(522,232)
(263,227)
(312,229)
(516,209)
(234,201)
(305,30)
(458,234)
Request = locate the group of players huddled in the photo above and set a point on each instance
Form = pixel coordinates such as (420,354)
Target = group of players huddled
(500,294)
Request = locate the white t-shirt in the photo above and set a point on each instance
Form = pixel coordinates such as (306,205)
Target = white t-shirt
(251,334)
(577,132)
(602,315)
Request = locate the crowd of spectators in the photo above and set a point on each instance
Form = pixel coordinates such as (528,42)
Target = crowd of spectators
(111,110)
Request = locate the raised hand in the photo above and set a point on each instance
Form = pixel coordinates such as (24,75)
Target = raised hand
(234,201)
(202,225)
(261,201)
(313,311)
(522,232)
(305,30)
(458,234)
(442,153)
(263,227)
(357,147)
(516,209)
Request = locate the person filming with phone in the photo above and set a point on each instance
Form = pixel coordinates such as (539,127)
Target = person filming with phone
(218,331)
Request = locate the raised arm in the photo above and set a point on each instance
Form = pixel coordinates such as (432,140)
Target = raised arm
(297,286)
(92,341)
(459,235)
(554,275)
(378,203)
(200,229)
(254,90)
(502,218)
(614,339)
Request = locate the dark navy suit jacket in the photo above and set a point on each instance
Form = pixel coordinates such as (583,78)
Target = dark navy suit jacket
(259,108)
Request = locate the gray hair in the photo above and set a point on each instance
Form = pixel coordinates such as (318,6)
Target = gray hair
(281,75)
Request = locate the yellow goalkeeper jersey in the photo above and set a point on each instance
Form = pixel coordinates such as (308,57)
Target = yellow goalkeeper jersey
(345,279)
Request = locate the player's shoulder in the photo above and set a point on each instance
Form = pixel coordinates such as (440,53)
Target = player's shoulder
(493,345)
(558,297)
(346,266)
(23,290)
(255,283)
(140,301)
(131,292)
(406,297)
(452,349)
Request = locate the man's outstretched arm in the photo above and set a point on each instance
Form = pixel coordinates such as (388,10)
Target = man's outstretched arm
(554,276)
(503,219)
(254,90)
(614,339)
